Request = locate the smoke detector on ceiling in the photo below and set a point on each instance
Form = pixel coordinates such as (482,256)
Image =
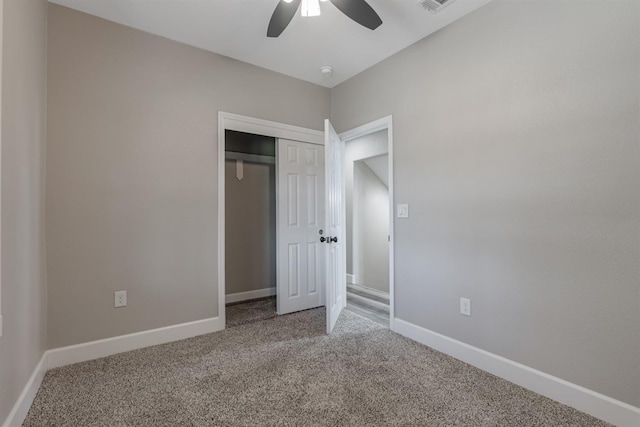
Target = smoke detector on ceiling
(434,6)
(326,70)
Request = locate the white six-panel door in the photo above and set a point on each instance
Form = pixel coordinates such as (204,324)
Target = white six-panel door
(300,217)
(336,256)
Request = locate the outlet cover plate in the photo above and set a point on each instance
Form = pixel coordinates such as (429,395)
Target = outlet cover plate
(120,299)
(465,306)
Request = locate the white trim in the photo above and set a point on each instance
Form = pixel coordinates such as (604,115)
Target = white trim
(21,407)
(244,296)
(367,129)
(246,124)
(109,346)
(351,278)
(268,128)
(222,117)
(593,403)
(102,348)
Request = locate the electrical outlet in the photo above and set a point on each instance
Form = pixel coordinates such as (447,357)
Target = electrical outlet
(120,299)
(465,306)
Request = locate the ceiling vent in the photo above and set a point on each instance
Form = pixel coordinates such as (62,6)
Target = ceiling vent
(434,6)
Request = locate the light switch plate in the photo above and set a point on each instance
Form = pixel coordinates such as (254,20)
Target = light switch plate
(403,210)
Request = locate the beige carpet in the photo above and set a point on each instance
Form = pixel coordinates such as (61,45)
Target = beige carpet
(285,371)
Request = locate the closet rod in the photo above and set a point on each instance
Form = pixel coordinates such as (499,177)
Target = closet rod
(253,158)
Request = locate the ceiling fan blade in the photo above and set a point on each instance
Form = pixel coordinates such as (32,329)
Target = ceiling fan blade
(281,17)
(359,11)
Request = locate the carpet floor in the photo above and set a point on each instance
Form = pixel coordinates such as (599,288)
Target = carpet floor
(249,312)
(285,371)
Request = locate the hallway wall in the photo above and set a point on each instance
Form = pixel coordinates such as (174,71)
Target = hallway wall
(371,145)
(370,229)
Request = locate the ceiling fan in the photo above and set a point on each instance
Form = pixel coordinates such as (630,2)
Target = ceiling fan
(357,10)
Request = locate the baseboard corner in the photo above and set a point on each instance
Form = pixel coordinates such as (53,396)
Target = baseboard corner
(21,407)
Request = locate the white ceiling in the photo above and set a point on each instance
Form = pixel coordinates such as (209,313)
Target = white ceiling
(237,28)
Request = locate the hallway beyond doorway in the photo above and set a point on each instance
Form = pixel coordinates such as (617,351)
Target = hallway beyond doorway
(369,303)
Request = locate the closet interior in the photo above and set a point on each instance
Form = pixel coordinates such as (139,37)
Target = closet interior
(250,227)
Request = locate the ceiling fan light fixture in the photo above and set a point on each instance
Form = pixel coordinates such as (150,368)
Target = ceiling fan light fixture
(357,10)
(310,8)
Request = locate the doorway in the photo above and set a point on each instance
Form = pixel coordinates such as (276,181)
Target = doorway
(367,214)
(241,167)
(333,284)
(275,219)
(369,221)
(250,208)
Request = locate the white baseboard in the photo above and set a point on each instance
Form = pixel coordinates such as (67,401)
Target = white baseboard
(21,407)
(102,348)
(106,347)
(351,278)
(598,405)
(583,399)
(370,290)
(244,296)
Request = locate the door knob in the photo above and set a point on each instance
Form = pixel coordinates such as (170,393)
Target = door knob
(333,239)
(322,239)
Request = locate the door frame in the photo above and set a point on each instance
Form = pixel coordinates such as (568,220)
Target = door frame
(358,132)
(230,121)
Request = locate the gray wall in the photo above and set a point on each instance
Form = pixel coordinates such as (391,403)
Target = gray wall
(370,228)
(371,145)
(250,227)
(23,342)
(132,171)
(516,144)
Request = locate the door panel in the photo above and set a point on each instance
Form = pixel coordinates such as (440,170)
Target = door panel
(336,256)
(300,189)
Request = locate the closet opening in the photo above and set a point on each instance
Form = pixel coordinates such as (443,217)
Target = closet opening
(250,227)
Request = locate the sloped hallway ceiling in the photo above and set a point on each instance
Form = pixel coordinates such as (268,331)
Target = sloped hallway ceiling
(379,165)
